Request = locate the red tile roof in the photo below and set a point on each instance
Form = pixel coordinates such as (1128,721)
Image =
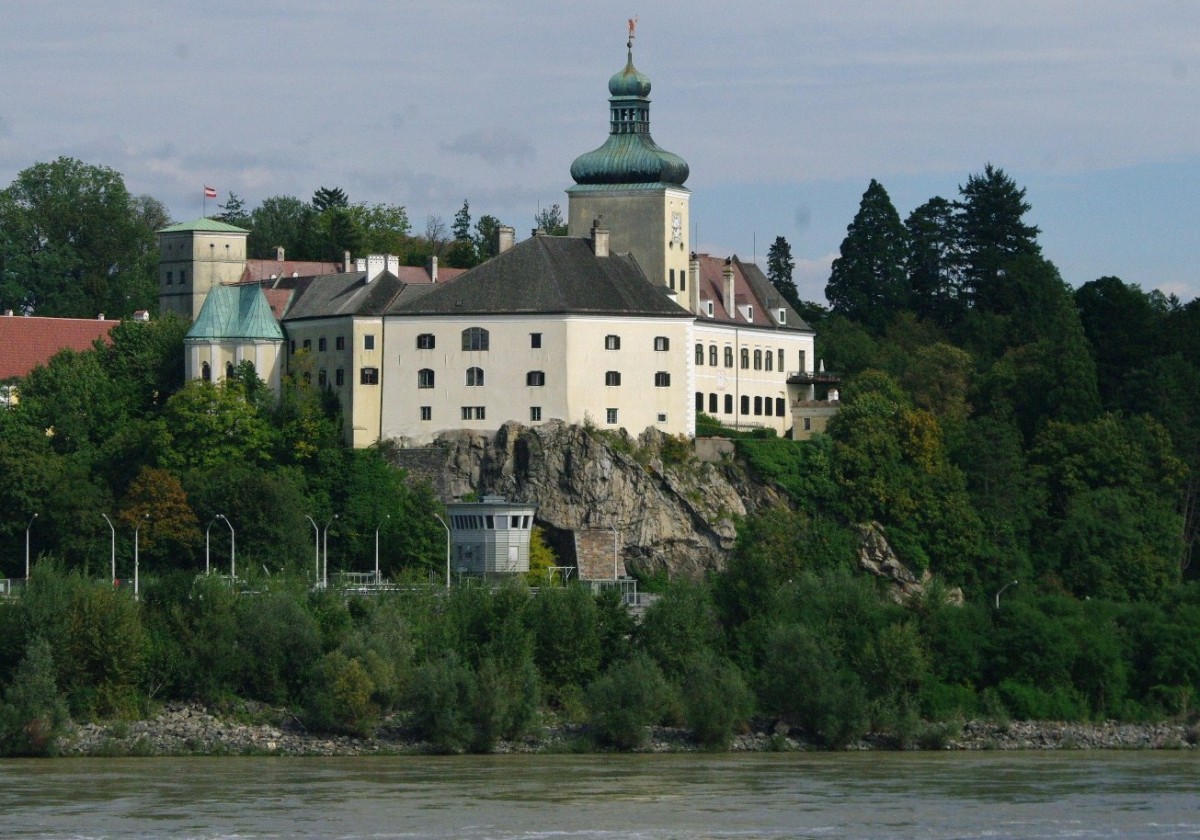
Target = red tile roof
(257,270)
(26,343)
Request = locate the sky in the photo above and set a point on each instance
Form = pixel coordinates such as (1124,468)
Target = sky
(784,110)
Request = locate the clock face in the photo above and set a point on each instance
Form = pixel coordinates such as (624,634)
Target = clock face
(676,227)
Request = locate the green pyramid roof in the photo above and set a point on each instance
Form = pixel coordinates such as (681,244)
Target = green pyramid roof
(236,312)
(205,226)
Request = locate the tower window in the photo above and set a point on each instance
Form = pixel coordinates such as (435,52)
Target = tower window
(612,377)
(368,376)
(368,342)
(662,379)
(535,340)
(535,378)
(612,342)
(661,342)
(535,413)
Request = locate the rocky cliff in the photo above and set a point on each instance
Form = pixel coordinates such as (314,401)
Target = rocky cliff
(674,513)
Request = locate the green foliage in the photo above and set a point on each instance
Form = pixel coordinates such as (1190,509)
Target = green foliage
(339,697)
(717,703)
(679,626)
(780,267)
(33,716)
(867,282)
(442,700)
(630,696)
(991,235)
(566,639)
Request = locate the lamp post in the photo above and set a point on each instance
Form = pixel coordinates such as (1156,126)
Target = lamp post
(113,575)
(207,531)
(145,518)
(325,551)
(316,549)
(377,527)
(447,527)
(232,548)
(1002,588)
(27,528)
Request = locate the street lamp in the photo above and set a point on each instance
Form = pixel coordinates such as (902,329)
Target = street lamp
(447,527)
(325,550)
(113,576)
(145,518)
(316,549)
(207,531)
(377,527)
(27,527)
(1002,588)
(232,548)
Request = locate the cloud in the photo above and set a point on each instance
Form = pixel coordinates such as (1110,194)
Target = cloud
(493,146)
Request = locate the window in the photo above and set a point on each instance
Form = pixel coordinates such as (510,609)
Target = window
(712,404)
(535,378)
(321,344)
(699,355)
(781,358)
(206,372)
(339,343)
(474,412)
(612,377)
(425,378)
(662,418)
(757,406)
(699,401)
(682,280)
(712,355)
(758,360)
(708,308)
(808,424)
(292,347)
(170,276)
(474,376)
(229,370)
(728,357)
(745,405)
(426,412)
(749,313)
(769,360)
(662,379)
(802,360)
(308,344)
(322,378)
(368,342)
(475,338)
(745,359)
(535,413)
(426,341)
(610,415)
(780,406)
(535,340)
(661,342)
(672,278)
(729,403)
(183,277)
(339,377)
(612,342)
(368,376)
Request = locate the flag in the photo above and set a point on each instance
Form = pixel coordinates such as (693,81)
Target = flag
(210,192)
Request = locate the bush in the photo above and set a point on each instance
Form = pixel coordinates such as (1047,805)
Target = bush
(339,697)
(716,700)
(627,698)
(442,700)
(33,715)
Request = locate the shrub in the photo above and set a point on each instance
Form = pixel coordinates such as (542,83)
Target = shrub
(339,697)
(33,715)
(442,700)
(627,698)
(716,700)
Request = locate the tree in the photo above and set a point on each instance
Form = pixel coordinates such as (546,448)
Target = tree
(169,530)
(991,235)
(780,266)
(327,198)
(233,212)
(550,219)
(461,229)
(867,282)
(1124,327)
(216,426)
(934,261)
(487,237)
(283,221)
(74,243)
(383,228)
(435,234)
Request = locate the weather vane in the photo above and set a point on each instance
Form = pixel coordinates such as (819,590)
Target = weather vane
(632,28)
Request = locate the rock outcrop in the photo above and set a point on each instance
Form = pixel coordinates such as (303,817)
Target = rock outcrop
(674,513)
(875,556)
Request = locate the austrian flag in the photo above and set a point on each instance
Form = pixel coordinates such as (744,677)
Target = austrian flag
(210,192)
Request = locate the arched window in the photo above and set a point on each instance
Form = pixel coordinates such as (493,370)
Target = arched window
(206,372)
(229,370)
(425,378)
(728,357)
(758,360)
(699,401)
(712,355)
(757,406)
(729,403)
(475,338)
(474,376)
(770,360)
(699,355)
(535,378)
(712,404)
(745,359)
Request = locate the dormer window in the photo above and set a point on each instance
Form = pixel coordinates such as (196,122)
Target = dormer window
(708,308)
(782,318)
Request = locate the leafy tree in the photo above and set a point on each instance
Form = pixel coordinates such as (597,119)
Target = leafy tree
(328,198)
(338,697)
(780,267)
(487,237)
(1124,327)
(630,696)
(74,243)
(286,221)
(72,400)
(215,426)
(550,219)
(716,700)
(382,228)
(868,282)
(991,235)
(169,530)
(340,233)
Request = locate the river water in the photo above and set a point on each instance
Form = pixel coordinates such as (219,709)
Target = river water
(652,797)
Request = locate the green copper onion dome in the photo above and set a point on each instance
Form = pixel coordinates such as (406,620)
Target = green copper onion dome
(630,155)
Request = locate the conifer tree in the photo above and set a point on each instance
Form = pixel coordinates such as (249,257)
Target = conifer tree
(934,261)
(991,235)
(780,266)
(868,283)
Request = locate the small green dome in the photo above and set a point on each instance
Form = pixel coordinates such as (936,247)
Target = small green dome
(630,81)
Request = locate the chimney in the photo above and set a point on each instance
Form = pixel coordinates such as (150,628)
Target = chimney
(506,236)
(347,266)
(539,232)
(730,303)
(694,283)
(392,263)
(431,268)
(599,239)
(8,313)
(100,317)
(375,264)
(141,315)
(279,253)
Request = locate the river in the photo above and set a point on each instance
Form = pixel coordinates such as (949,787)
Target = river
(651,797)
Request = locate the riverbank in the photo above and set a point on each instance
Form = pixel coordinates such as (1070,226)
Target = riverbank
(195,730)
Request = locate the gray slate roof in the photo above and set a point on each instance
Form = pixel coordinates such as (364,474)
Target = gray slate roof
(547,275)
(766,292)
(331,295)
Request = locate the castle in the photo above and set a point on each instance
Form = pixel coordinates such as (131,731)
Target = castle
(617,324)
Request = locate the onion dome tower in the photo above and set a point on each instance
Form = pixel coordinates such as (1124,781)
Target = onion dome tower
(633,187)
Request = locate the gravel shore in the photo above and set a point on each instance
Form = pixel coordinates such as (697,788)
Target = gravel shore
(195,730)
